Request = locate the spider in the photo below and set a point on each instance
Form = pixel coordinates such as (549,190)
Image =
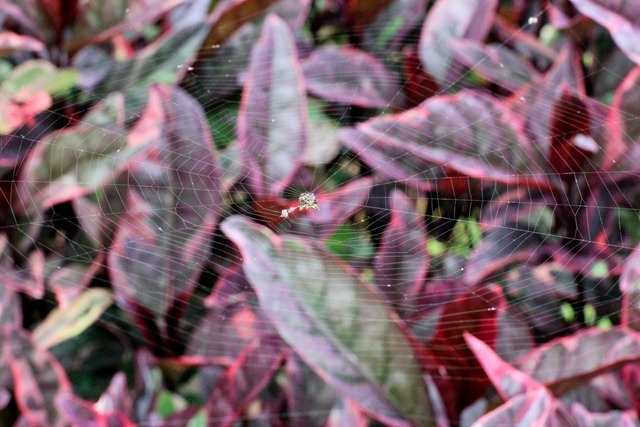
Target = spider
(307,200)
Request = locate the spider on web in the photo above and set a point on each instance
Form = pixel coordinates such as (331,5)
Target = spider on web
(307,200)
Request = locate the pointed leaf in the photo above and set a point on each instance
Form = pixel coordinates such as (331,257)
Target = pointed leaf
(38,378)
(537,407)
(621,18)
(272,123)
(623,139)
(231,15)
(327,73)
(505,378)
(566,363)
(163,238)
(630,289)
(475,312)
(244,379)
(401,262)
(331,318)
(468,134)
(495,62)
(77,160)
(449,20)
(61,325)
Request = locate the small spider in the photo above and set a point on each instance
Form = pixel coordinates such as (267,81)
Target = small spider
(307,201)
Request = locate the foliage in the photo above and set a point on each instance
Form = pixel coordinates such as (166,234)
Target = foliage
(477,177)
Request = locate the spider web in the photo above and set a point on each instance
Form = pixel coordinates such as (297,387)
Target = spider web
(149,218)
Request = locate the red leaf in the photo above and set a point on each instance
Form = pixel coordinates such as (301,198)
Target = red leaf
(571,144)
(475,313)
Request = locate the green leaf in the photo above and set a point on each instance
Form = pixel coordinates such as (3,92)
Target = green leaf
(65,323)
(349,242)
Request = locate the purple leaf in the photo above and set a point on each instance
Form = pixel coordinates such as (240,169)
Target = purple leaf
(534,102)
(584,418)
(402,260)
(507,380)
(495,62)
(163,239)
(516,228)
(82,413)
(339,205)
(449,20)
(536,407)
(272,122)
(308,396)
(568,362)
(327,314)
(328,74)
(244,379)
(38,379)
(630,289)
(29,279)
(467,134)
(620,18)
(623,139)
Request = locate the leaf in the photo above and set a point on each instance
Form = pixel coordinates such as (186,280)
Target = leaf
(402,260)
(568,362)
(507,380)
(468,134)
(163,238)
(160,62)
(328,73)
(610,418)
(229,16)
(388,28)
(27,92)
(331,318)
(620,18)
(308,396)
(61,325)
(474,312)
(572,147)
(536,407)
(495,62)
(449,20)
(83,413)
(623,132)
(244,379)
(78,160)
(98,22)
(272,123)
(517,227)
(339,204)
(630,289)
(38,378)
(29,279)
(10,42)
